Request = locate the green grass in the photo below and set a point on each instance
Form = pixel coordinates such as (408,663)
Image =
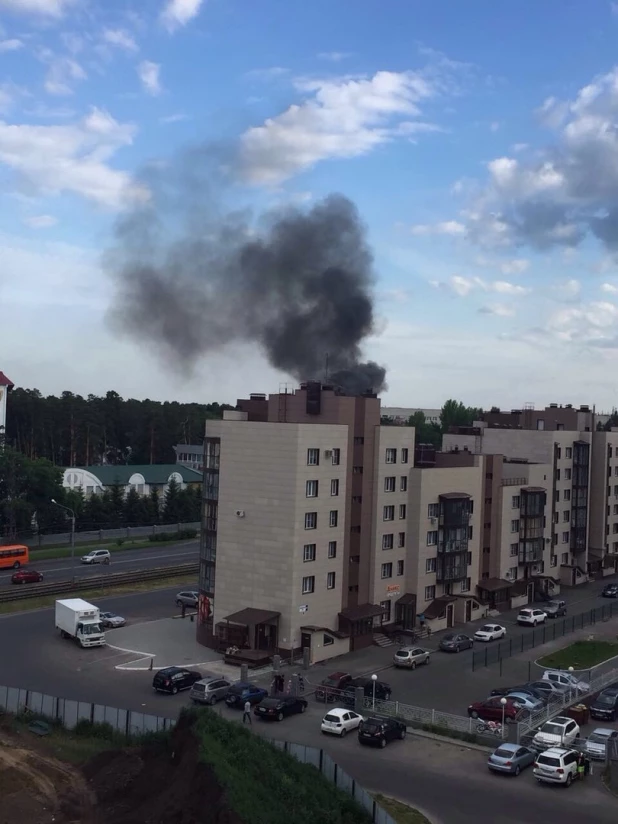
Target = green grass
(82,549)
(400,812)
(580,655)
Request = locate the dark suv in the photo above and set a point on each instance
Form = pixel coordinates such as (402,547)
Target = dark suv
(605,705)
(379,731)
(382,690)
(610,591)
(174,679)
(331,686)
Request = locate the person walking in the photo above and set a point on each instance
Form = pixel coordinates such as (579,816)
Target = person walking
(301,682)
(581,766)
(246,716)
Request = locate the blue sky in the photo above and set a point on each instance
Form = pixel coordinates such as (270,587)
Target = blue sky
(478,139)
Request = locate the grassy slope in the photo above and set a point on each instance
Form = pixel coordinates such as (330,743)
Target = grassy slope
(580,655)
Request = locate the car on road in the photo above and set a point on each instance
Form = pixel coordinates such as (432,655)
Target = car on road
(238,694)
(188,598)
(527,702)
(531,616)
(455,642)
(379,731)
(329,688)
(511,758)
(380,689)
(340,721)
(110,620)
(97,556)
(555,609)
(491,709)
(209,689)
(26,576)
(276,709)
(490,632)
(559,732)
(411,657)
(610,591)
(597,741)
(605,706)
(557,765)
(175,679)
(565,681)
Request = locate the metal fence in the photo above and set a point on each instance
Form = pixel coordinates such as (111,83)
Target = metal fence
(612,766)
(94,536)
(548,631)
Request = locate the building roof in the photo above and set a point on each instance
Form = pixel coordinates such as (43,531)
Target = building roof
(361,611)
(437,607)
(407,598)
(333,632)
(454,495)
(119,474)
(494,584)
(4,381)
(250,616)
(189,447)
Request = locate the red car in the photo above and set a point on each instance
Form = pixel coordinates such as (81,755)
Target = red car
(491,709)
(26,576)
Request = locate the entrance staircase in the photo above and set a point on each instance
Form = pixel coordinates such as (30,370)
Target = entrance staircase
(381,640)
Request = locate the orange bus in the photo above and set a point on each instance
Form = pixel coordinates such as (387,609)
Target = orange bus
(13,556)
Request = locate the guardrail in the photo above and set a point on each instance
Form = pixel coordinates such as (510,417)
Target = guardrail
(26,592)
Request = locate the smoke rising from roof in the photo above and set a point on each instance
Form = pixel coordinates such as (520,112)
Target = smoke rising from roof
(191,280)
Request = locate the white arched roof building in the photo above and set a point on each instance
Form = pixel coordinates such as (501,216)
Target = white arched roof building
(94,479)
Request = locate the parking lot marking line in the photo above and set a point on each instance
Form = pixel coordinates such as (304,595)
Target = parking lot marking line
(127,668)
(138,652)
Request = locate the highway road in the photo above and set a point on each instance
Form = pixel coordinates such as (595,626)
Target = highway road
(60,569)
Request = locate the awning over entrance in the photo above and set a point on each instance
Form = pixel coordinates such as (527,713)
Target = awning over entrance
(250,616)
(438,607)
(334,632)
(408,599)
(362,611)
(494,584)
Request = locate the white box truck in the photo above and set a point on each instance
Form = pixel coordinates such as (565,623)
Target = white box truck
(79,620)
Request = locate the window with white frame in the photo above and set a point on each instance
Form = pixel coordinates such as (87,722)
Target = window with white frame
(557,474)
(403,483)
(333,517)
(432,537)
(566,494)
(388,541)
(567,474)
(311,520)
(564,558)
(311,489)
(514,551)
(568,452)
(391,456)
(387,570)
(402,511)
(566,516)
(388,513)
(334,487)
(336,457)
(430,565)
(389,484)
(330,580)
(332,549)
(515,502)
(308,584)
(433,510)
(512,573)
(565,537)
(309,552)
(465,585)
(404,456)
(401,540)
(313,457)
(430,593)
(399,567)
(515,526)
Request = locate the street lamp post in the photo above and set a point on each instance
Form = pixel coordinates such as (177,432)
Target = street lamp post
(374,678)
(503,702)
(68,509)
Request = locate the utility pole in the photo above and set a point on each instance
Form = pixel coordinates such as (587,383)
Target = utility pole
(72,514)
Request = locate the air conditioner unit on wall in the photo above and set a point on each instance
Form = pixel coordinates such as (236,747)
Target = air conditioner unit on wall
(240,513)
(328,453)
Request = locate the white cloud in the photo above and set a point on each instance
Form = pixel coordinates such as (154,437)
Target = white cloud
(500,310)
(71,158)
(40,221)
(494,127)
(569,289)
(462,286)
(609,288)
(594,323)
(448,227)
(46,8)
(61,73)
(514,266)
(121,39)
(174,118)
(334,56)
(148,73)
(10,45)
(177,13)
(270,73)
(342,118)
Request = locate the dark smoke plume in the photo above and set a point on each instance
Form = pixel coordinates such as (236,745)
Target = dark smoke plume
(298,283)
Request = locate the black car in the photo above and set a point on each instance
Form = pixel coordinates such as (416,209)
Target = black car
(383,690)
(455,642)
(605,705)
(278,708)
(174,679)
(610,591)
(379,731)
(241,692)
(526,689)
(330,687)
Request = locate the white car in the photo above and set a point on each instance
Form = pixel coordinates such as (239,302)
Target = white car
(565,681)
(97,556)
(531,616)
(340,721)
(490,632)
(559,732)
(556,766)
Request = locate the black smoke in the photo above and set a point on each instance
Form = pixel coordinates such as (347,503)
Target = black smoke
(191,280)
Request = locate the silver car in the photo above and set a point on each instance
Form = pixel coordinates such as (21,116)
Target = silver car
(188,598)
(210,689)
(410,657)
(596,744)
(97,556)
(111,621)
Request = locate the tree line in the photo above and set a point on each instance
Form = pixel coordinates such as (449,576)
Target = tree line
(453,413)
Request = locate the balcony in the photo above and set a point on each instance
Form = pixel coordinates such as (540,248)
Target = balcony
(451,569)
(448,547)
(513,481)
(530,533)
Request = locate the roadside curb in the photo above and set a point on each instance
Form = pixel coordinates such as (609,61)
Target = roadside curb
(444,739)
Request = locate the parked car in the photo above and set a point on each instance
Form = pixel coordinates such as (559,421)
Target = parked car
(491,710)
(527,702)
(380,689)
(546,688)
(605,705)
(110,620)
(189,598)
(511,758)
(531,616)
(340,721)
(238,694)
(610,591)
(490,632)
(555,609)
(455,642)
(26,576)
(379,731)
(559,732)
(525,689)
(278,708)
(411,657)
(331,686)
(209,689)
(557,765)
(174,679)
(97,556)
(565,681)
(596,743)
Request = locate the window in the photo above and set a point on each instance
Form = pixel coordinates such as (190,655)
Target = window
(308,584)
(311,489)
(309,552)
(333,517)
(334,487)
(616,492)
(311,520)
(557,474)
(470,530)
(387,570)
(565,537)
(558,452)
(402,511)
(564,558)
(399,567)
(332,549)
(357,470)
(511,573)
(386,610)
(336,457)
(327,640)
(615,509)
(401,540)
(469,558)
(359,441)
(514,526)
(567,474)
(515,502)
(388,541)
(404,456)
(433,510)
(465,585)
(566,516)
(430,593)
(553,561)
(514,550)
(569,452)
(389,484)
(567,495)
(432,537)
(313,457)
(330,580)
(615,546)
(403,483)
(430,565)
(391,456)
(388,513)
(357,499)
(557,495)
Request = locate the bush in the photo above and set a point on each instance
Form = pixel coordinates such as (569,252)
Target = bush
(90,729)
(182,535)
(119,541)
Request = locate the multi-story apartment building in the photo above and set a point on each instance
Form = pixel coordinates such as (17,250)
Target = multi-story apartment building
(603,532)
